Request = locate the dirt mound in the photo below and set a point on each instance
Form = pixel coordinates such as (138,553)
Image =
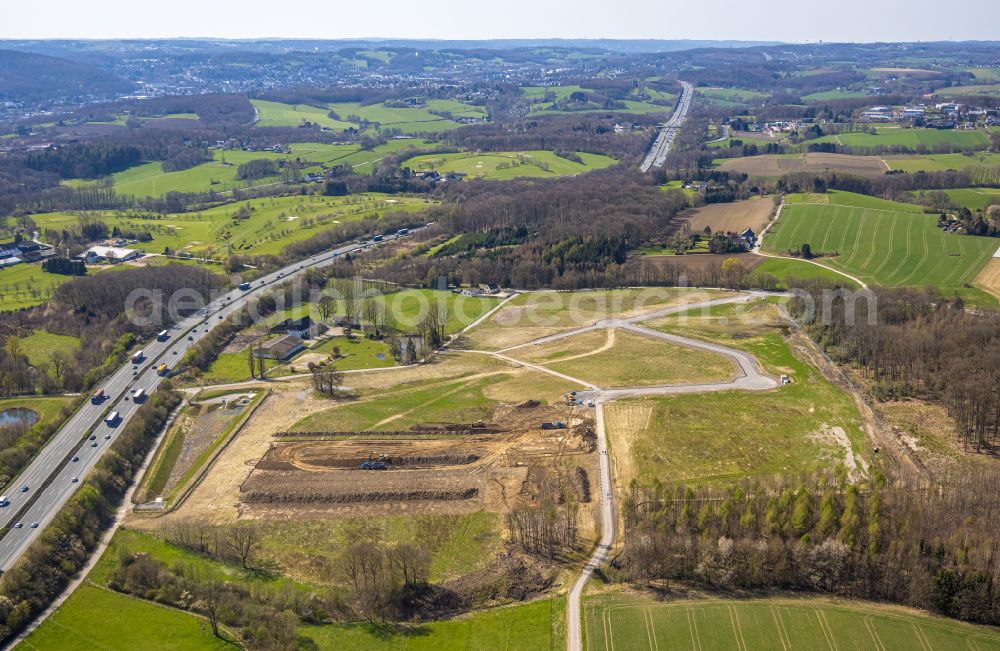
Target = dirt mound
(309,497)
(508,577)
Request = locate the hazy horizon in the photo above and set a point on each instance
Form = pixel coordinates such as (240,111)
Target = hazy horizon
(777,20)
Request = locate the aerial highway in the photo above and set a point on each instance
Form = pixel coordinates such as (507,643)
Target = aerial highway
(657,155)
(40,491)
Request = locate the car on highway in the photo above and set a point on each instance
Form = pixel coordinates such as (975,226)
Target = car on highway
(107,437)
(24,489)
(18,525)
(75,459)
(190,338)
(76,479)
(34,525)
(94,444)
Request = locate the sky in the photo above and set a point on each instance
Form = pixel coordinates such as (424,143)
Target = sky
(779,20)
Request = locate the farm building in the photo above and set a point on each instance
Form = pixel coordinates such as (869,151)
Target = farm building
(109,254)
(303,328)
(280,348)
(21,251)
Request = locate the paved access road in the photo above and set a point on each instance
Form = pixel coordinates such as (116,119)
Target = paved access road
(49,478)
(657,155)
(749,378)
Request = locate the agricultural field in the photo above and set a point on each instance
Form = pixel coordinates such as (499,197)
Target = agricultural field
(273,223)
(26,285)
(808,424)
(736,95)
(509,165)
(619,358)
(942,162)
(540,106)
(883,242)
(95,617)
(785,269)
(828,95)
(733,217)
(991,90)
(971,198)
(532,315)
(276,114)
(781,164)
(912,138)
(410,119)
(620,621)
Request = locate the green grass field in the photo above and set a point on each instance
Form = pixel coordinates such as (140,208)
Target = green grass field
(676,440)
(95,618)
(972,198)
(508,165)
(356,353)
(912,138)
(273,224)
(536,94)
(737,95)
(627,360)
(41,345)
(415,119)
(635,623)
(26,285)
(535,626)
(276,114)
(833,94)
(942,162)
(979,89)
(459,401)
(785,269)
(883,242)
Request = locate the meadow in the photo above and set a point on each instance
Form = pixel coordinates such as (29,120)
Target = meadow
(737,95)
(276,114)
(912,138)
(972,198)
(26,285)
(670,439)
(619,358)
(633,622)
(942,162)
(95,617)
(410,119)
(536,95)
(273,223)
(992,90)
(509,165)
(40,346)
(535,626)
(883,242)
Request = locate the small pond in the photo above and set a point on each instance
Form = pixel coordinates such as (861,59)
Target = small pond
(18,416)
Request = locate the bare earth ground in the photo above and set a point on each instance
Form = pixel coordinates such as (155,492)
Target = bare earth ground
(695,262)
(989,277)
(733,217)
(775,165)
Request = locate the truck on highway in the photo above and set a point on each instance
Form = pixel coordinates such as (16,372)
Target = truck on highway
(137,357)
(162,336)
(113,418)
(162,370)
(139,395)
(98,397)
(244,286)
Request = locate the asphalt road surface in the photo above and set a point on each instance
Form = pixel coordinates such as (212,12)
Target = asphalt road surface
(657,155)
(37,495)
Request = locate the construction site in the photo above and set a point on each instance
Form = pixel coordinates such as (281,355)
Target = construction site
(521,452)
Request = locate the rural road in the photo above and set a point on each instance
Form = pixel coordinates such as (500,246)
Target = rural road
(661,146)
(40,491)
(749,379)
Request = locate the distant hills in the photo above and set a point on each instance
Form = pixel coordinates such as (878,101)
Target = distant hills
(26,76)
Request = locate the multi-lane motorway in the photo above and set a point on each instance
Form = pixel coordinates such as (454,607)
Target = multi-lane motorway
(58,470)
(657,155)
